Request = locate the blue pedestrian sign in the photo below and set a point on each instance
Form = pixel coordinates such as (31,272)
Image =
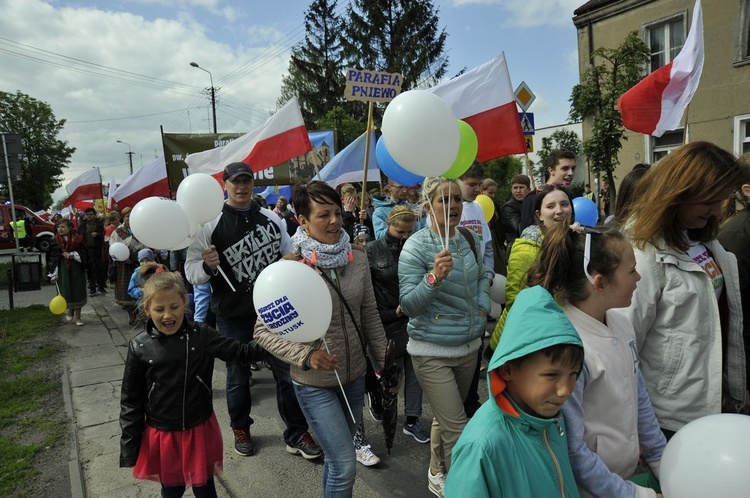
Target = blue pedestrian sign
(527,122)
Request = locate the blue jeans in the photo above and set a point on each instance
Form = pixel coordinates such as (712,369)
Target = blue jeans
(239,400)
(328,416)
(286,401)
(412,389)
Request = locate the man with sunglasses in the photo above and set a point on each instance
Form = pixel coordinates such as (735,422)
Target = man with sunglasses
(561,168)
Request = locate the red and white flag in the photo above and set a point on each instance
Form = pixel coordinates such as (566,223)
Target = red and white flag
(657,103)
(149,181)
(84,187)
(483,97)
(282,137)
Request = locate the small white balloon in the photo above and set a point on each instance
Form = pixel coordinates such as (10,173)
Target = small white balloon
(421,133)
(293,301)
(119,251)
(709,456)
(159,223)
(201,196)
(497,289)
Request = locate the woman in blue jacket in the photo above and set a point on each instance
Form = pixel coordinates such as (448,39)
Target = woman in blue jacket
(445,293)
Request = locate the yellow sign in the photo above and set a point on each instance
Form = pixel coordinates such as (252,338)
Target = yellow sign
(529,143)
(372,86)
(524,96)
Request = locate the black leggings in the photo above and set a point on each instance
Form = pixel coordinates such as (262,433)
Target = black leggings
(207,491)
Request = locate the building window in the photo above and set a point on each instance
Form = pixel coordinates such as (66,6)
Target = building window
(665,39)
(663,145)
(741,134)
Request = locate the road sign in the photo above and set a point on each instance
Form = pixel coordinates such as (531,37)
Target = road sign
(524,96)
(527,122)
(12,146)
(529,143)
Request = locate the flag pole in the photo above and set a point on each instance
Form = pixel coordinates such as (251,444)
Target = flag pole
(686,135)
(367,153)
(529,171)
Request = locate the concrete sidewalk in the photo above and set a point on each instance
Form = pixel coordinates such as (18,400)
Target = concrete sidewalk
(94,363)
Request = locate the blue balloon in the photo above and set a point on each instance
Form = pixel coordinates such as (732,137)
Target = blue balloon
(585,211)
(392,169)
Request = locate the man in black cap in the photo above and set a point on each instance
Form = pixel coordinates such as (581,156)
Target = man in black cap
(243,240)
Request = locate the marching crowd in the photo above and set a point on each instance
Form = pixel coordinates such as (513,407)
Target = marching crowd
(612,337)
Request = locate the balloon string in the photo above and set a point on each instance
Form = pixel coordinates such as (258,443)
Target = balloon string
(57,285)
(354,419)
(446,213)
(221,270)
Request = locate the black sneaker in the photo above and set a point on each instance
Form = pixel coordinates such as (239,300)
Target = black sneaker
(92,293)
(306,447)
(243,444)
(102,290)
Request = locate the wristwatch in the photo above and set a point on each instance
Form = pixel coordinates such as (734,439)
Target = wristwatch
(432,280)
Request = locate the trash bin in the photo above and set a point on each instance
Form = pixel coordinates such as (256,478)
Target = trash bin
(27,272)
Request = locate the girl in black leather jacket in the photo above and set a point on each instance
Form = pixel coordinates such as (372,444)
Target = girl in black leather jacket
(169,429)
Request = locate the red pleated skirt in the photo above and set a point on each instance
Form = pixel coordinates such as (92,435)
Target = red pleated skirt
(181,458)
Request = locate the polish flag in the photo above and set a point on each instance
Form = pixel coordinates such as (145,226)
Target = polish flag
(149,181)
(84,187)
(282,137)
(483,97)
(657,103)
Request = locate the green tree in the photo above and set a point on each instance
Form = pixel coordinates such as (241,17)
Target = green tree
(502,170)
(346,126)
(595,98)
(45,155)
(316,68)
(397,36)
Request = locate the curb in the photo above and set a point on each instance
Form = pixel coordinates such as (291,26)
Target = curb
(77,482)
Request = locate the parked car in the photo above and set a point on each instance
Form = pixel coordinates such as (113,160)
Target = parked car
(43,231)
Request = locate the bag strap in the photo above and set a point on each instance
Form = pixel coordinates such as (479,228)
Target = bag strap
(361,335)
(470,239)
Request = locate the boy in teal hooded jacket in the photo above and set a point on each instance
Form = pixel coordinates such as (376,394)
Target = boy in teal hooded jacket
(515,445)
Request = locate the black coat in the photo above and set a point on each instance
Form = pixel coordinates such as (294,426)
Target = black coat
(382,255)
(167,380)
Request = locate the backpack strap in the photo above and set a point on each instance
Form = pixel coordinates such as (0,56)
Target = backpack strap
(470,239)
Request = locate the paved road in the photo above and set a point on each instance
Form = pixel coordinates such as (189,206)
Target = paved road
(91,384)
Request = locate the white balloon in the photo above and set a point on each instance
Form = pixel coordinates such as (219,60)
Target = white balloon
(709,456)
(159,223)
(421,133)
(119,251)
(497,289)
(192,234)
(201,196)
(293,301)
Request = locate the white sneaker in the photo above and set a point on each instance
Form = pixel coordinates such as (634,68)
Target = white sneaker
(366,457)
(436,483)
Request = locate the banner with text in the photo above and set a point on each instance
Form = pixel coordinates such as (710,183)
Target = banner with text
(178,145)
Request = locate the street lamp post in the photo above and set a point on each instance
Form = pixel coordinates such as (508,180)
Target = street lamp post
(130,154)
(213,91)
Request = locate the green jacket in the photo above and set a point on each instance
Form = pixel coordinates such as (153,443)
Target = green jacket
(503,451)
(523,254)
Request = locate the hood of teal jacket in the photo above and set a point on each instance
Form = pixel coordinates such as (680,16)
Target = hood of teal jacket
(534,322)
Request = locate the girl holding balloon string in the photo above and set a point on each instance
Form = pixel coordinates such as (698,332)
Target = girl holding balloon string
(609,416)
(329,372)
(169,430)
(67,266)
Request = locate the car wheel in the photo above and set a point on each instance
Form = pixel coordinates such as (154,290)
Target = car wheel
(44,244)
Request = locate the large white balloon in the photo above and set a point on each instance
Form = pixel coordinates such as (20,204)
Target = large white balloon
(293,301)
(201,196)
(708,457)
(497,290)
(421,133)
(159,223)
(191,237)
(119,251)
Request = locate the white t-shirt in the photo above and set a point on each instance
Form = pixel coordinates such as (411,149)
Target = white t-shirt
(473,219)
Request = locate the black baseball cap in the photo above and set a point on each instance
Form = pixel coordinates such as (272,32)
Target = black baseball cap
(233,170)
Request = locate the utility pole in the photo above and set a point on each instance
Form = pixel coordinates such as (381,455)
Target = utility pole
(213,91)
